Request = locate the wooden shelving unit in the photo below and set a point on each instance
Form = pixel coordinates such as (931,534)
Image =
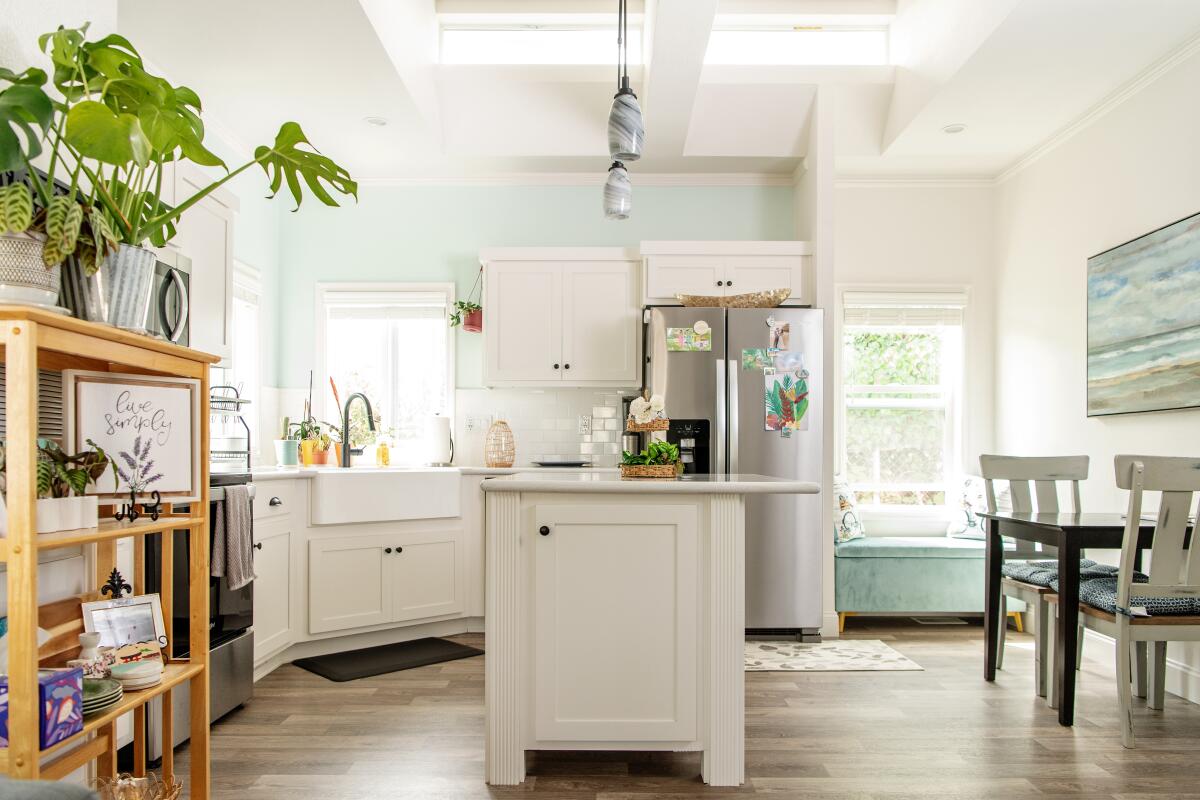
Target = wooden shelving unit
(32,339)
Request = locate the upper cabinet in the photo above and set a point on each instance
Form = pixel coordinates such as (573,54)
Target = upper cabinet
(205,236)
(719,269)
(561,316)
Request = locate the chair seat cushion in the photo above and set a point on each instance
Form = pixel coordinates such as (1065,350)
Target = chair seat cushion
(1038,573)
(1101,593)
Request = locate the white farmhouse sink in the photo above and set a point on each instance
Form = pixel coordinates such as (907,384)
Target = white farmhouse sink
(383,494)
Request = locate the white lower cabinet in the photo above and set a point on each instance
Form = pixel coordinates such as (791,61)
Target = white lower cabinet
(615,623)
(275,586)
(384,577)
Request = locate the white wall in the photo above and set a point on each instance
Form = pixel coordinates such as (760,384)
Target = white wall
(1132,170)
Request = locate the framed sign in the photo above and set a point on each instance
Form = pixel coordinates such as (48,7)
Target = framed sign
(132,625)
(148,426)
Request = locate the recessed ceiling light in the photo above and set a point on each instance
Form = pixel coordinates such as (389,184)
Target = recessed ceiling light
(378,122)
(955,127)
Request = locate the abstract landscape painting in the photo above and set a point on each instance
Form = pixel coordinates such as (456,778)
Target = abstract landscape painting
(1143,323)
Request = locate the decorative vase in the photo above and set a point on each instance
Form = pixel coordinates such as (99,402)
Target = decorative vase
(287,452)
(24,279)
(500,448)
(89,646)
(118,293)
(473,321)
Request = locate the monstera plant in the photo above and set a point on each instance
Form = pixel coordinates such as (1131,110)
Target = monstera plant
(113,136)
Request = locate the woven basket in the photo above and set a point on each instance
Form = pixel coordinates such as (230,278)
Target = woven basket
(660,471)
(660,424)
(769,299)
(499,448)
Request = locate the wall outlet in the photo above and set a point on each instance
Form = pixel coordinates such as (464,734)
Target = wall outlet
(478,424)
(585,424)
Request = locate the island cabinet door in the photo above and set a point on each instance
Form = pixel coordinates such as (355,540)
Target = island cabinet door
(430,575)
(349,582)
(616,611)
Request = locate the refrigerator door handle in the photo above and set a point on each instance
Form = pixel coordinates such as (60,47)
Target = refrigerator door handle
(719,464)
(732,377)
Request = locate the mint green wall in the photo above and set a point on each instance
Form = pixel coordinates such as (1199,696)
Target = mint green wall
(432,234)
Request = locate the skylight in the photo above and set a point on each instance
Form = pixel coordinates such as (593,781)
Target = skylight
(799,46)
(534,44)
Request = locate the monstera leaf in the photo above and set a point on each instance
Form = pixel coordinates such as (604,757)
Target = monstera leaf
(25,114)
(98,132)
(286,162)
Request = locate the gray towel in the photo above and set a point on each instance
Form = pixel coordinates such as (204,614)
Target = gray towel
(233,534)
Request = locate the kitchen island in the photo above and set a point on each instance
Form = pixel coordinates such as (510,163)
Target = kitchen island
(616,616)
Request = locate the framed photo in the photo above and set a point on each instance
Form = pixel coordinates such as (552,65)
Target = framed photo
(132,625)
(149,426)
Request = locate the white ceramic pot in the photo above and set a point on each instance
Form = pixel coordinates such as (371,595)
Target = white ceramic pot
(50,514)
(24,279)
(71,514)
(88,511)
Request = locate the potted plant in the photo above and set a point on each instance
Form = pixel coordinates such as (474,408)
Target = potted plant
(469,313)
(117,129)
(287,449)
(308,433)
(658,460)
(62,481)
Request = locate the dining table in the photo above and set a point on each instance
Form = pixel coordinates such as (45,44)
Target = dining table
(1070,534)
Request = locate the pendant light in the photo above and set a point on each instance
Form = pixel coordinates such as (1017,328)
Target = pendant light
(618,192)
(625,128)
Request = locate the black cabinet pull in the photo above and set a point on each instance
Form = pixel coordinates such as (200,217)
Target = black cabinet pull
(275,501)
(544,530)
(258,545)
(556,366)
(399,549)
(387,549)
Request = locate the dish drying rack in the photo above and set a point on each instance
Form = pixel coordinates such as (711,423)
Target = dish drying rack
(226,406)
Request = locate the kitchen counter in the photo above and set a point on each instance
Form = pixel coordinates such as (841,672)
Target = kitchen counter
(612,483)
(271,473)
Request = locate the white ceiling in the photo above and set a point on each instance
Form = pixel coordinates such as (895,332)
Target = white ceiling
(1014,71)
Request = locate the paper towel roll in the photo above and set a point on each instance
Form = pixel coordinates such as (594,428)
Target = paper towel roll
(439,440)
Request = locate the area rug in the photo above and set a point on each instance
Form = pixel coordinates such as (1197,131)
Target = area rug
(842,655)
(354,664)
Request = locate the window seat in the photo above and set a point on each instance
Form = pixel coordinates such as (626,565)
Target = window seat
(910,575)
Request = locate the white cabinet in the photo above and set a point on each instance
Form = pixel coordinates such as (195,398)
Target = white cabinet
(205,235)
(275,586)
(615,623)
(385,577)
(561,316)
(720,269)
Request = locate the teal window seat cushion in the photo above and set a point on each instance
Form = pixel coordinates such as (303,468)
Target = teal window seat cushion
(913,547)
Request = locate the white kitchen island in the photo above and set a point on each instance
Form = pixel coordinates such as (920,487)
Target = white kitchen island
(616,616)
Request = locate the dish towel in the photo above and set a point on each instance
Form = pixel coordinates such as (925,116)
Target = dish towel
(233,539)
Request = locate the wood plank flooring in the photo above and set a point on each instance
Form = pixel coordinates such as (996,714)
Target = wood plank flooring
(943,733)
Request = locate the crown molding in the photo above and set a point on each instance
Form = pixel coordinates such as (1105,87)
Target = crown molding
(912,182)
(586,179)
(1139,82)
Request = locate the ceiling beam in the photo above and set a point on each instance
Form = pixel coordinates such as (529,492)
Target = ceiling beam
(409,34)
(677,38)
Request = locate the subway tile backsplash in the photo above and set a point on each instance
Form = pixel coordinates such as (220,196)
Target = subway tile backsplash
(545,424)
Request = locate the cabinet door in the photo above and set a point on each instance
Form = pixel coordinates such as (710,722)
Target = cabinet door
(615,610)
(669,275)
(763,273)
(429,575)
(523,322)
(600,322)
(273,586)
(205,235)
(349,582)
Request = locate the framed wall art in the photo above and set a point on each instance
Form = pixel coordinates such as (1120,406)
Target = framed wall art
(149,426)
(132,625)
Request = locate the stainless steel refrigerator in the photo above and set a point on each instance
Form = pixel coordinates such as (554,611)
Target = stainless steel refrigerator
(723,394)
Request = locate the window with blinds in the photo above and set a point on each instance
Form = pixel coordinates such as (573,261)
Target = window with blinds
(902,360)
(395,347)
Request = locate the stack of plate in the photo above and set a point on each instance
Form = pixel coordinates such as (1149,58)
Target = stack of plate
(100,694)
(138,674)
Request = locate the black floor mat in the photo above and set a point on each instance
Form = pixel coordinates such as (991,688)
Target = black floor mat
(355,664)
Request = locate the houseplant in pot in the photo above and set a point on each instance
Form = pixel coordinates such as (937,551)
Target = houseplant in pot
(120,129)
(287,449)
(62,481)
(469,313)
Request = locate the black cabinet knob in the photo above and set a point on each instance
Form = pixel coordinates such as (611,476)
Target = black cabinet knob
(275,501)
(566,366)
(399,549)
(720,283)
(556,366)
(387,549)
(544,530)
(258,546)
(729,283)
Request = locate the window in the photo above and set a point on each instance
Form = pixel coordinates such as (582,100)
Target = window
(245,367)
(392,343)
(536,44)
(901,388)
(798,46)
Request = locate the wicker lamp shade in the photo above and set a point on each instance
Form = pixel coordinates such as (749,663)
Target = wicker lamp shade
(499,449)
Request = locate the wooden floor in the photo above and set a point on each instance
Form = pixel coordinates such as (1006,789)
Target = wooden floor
(940,733)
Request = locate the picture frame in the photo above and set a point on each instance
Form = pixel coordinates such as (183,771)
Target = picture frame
(148,425)
(132,625)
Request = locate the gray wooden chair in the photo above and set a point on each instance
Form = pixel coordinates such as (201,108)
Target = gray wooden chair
(1043,472)
(1171,596)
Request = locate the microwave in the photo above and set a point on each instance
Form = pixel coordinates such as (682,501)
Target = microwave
(169,315)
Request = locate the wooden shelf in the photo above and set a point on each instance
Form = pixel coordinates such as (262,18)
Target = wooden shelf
(109,529)
(173,675)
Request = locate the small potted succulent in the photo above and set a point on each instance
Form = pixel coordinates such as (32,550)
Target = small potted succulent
(287,449)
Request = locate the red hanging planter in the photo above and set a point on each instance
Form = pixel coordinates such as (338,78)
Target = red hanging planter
(473,321)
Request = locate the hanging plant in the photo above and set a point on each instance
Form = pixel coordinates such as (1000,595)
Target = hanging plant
(469,313)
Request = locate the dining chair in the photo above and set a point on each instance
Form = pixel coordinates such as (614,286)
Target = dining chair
(1164,606)
(1044,473)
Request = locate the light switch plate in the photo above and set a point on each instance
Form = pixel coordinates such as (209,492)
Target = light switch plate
(478,424)
(585,424)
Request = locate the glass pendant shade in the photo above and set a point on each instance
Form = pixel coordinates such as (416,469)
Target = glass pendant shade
(626,132)
(618,193)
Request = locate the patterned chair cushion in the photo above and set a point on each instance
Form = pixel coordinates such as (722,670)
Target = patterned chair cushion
(1102,593)
(1038,573)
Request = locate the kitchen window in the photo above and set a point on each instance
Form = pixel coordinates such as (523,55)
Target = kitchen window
(245,367)
(391,342)
(901,369)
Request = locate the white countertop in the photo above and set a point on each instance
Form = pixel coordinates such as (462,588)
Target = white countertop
(612,483)
(268,473)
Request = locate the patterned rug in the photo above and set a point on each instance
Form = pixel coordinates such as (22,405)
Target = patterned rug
(841,655)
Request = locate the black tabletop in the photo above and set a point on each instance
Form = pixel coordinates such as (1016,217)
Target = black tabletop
(1064,521)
